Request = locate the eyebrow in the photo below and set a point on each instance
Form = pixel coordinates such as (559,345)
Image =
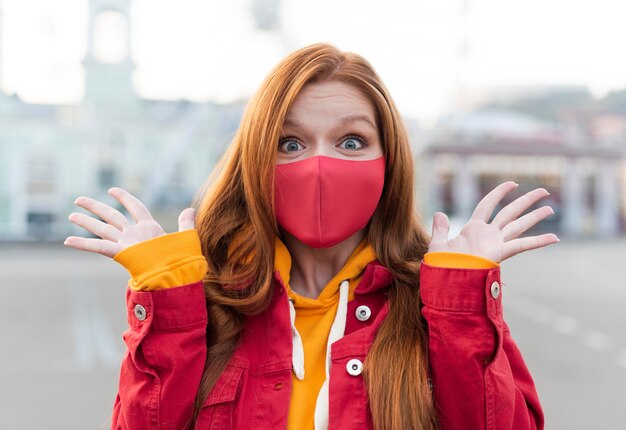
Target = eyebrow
(343,120)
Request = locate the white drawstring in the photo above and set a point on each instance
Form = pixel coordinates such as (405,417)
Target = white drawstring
(297,354)
(336,332)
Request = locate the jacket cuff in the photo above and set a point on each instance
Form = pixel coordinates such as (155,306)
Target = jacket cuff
(461,290)
(168,309)
(458,260)
(163,262)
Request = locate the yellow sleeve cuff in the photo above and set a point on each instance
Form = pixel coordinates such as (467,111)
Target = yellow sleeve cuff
(167,261)
(456,260)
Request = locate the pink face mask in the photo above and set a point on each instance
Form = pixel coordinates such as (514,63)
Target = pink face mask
(324,200)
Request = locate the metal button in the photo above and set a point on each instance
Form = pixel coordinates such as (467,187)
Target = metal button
(363,313)
(140,312)
(354,367)
(495,289)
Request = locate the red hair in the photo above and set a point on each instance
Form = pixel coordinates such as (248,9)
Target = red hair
(237,227)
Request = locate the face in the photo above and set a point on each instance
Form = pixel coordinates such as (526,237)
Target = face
(331,119)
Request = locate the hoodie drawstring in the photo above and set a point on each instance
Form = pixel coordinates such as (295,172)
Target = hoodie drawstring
(297,354)
(336,332)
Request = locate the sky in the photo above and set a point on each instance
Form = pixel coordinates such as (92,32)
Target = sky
(425,51)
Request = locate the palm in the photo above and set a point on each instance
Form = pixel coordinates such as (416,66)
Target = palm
(496,240)
(116,232)
(140,232)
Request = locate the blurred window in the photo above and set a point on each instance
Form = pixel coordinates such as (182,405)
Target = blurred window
(106,177)
(39,224)
(40,173)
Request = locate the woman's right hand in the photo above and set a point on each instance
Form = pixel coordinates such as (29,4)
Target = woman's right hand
(116,231)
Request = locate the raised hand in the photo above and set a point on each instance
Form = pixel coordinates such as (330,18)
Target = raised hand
(116,231)
(497,240)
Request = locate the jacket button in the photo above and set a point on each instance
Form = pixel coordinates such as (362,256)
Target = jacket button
(354,367)
(495,289)
(363,313)
(140,312)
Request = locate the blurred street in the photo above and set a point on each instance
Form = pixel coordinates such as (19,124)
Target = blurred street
(62,316)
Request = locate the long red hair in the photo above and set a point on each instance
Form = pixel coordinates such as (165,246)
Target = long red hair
(237,226)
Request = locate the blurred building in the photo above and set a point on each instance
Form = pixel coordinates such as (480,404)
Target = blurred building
(580,161)
(51,154)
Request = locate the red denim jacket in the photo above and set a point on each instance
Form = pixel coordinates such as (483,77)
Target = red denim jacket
(479,378)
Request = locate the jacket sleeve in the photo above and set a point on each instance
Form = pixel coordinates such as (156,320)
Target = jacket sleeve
(166,350)
(479,378)
(166,338)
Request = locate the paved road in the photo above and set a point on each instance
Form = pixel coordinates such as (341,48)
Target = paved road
(61,319)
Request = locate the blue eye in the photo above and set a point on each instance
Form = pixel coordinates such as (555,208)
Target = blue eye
(289,145)
(353,143)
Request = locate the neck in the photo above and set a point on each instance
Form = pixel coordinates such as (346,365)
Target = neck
(313,268)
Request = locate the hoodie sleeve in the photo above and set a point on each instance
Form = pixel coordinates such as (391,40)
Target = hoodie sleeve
(166,261)
(458,260)
(479,377)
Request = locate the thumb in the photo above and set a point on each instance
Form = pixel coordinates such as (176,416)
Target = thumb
(441,227)
(186,219)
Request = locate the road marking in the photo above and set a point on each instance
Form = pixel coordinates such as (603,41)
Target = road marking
(84,355)
(94,341)
(597,340)
(566,325)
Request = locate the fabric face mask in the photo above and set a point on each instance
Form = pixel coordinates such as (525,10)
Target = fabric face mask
(324,200)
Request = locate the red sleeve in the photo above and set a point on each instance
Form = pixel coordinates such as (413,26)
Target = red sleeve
(163,364)
(479,378)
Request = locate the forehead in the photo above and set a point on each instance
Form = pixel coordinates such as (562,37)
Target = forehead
(330,99)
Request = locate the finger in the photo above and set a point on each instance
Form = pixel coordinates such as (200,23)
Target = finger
(97,227)
(485,207)
(186,219)
(520,225)
(99,246)
(441,227)
(514,209)
(133,205)
(515,246)
(106,212)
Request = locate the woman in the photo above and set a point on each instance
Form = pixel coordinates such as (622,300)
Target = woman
(305,293)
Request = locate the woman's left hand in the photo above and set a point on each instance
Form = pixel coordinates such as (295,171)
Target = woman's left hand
(497,240)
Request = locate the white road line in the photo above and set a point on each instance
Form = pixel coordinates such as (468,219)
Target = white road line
(84,354)
(566,325)
(542,314)
(109,352)
(94,341)
(596,340)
